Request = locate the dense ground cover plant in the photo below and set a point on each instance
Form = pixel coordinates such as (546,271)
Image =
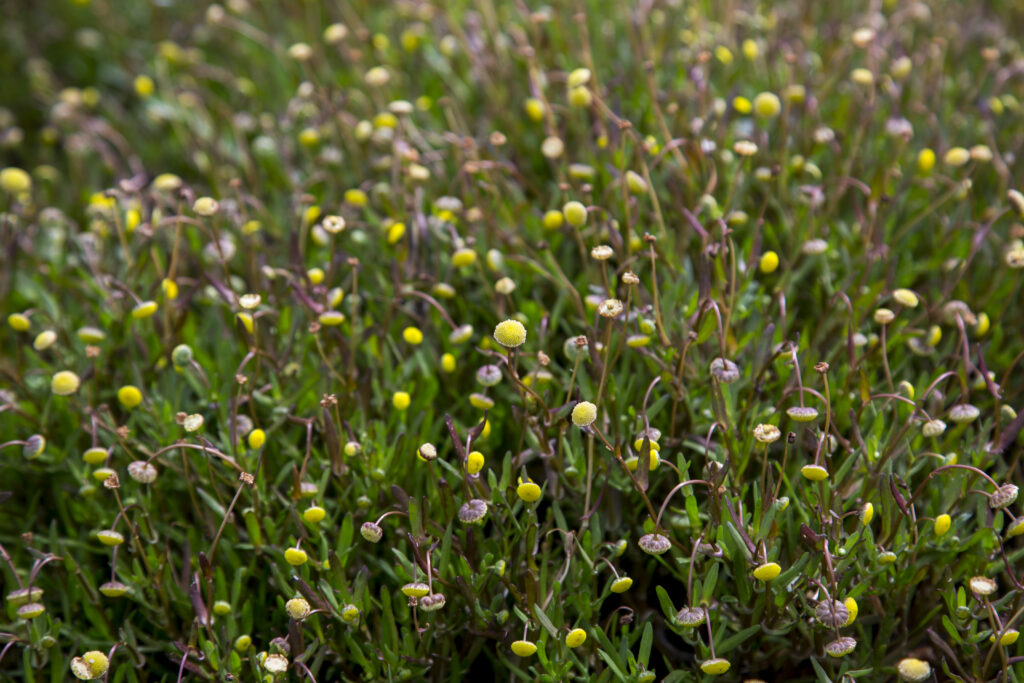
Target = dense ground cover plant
(438,341)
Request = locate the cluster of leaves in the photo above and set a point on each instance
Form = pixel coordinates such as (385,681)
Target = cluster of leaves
(598,341)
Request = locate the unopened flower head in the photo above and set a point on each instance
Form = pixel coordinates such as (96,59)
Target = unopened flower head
(841,647)
(933,428)
(690,617)
(715,667)
(964,413)
(142,471)
(432,602)
(802,413)
(1004,496)
(206,206)
(473,511)
(831,613)
(654,544)
(724,370)
(371,532)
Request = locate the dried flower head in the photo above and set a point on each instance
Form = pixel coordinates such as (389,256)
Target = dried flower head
(767,433)
(610,308)
(982,585)
(142,471)
(90,666)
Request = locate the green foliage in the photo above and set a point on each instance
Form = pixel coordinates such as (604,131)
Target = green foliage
(800,330)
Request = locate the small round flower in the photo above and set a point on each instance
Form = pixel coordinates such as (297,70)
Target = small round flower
(814,472)
(510,333)
(745,148)
(113,589)
(831,613)
(913,670)
(841,647)
(528,491)
(602,252)
(883,316)
(193,422)
(181,355)
(142,471)
(524,648)
(129,396)
(427,452)
(296,556)
(412,335)
(103,473)
(243,643)
(401,400)
(90,666)
(257,438)
(19,322)
(314,514)
(767,105)
(1009,637)
(905,297)
(416,589)
(1004,496)
(575,637)
(34,446)
(942,524)
(690,617)
(956,157)
(371,532)
(31,610)
(297,608)
(22,596)
(1015,528)
(933,428)
(489,375)
(766,433)
(724,370)
(461,334)
(432,602)
(982,585)
(964,413)
(65,383)
(769,262)
(474,511)
(95,456)
(715,667)
(144,309)
(886,557)
(276,663)
(447,362)
(767,571)
(575,213)
(867,513)
(802,413)
(853,608)
(654,544)
(15,180)
(474,462)
(584,414)
(110,537)
(621,584)
(206,206)
(221,608)
(44,340)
